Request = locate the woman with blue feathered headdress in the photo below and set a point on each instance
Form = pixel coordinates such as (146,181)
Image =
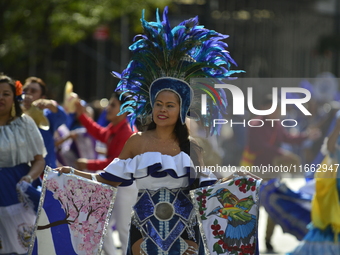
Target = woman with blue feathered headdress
(162,159)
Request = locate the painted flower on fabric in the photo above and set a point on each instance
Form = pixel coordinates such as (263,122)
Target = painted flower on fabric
(85,205)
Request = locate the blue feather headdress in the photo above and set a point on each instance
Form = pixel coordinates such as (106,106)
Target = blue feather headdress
(184,52)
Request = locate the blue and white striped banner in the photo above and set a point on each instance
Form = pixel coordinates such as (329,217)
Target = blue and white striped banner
(72,216)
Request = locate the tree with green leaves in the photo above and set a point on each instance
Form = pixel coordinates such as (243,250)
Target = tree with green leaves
(32,30)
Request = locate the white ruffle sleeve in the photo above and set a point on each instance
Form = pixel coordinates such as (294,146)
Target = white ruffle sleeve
(20,141)
(141,165)
(153,170)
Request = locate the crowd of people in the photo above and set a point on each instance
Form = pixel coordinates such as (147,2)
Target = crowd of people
(150,153)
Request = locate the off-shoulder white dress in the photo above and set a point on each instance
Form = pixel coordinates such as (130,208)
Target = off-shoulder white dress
(163,214)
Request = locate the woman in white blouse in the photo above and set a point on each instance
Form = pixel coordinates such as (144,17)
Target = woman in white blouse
(21,160)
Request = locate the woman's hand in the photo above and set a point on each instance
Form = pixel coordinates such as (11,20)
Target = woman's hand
(64,170)
(27,101)
(79,108)
(27,178)
(43,103)
(68,169)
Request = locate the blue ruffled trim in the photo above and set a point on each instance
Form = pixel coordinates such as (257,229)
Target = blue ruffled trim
(153,172)
(113,178)
(319,235)
(207,183)
(317,242)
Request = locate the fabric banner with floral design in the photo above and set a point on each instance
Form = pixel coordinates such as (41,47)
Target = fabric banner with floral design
(228,215)
(73,215)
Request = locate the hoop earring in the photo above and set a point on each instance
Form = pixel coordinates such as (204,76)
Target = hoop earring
(13,112)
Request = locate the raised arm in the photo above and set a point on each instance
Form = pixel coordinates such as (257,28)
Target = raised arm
(68,169)
(128,152)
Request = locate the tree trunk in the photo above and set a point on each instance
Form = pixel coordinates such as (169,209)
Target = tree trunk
(53,224)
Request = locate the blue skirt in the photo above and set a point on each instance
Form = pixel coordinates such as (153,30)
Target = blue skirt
(286,207)
(16,218)
(9,177)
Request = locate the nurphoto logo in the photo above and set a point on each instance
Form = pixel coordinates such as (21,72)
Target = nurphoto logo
(239,99)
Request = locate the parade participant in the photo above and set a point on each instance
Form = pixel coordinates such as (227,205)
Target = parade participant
(161,159)
(35,95)
(114,136)
(22,150)
(72,140)
(323,236)
(160,150)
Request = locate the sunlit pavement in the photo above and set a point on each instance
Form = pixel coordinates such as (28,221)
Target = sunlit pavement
(282,242)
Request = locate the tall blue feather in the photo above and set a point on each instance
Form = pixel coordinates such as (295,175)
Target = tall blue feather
(160,51)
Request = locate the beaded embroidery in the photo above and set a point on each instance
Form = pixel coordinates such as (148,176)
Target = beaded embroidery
(162,216)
